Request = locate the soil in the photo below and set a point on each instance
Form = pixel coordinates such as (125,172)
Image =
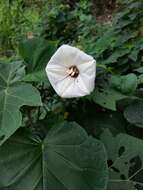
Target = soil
(104,10)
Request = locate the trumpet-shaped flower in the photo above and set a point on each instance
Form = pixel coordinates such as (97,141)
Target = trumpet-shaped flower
(71,72)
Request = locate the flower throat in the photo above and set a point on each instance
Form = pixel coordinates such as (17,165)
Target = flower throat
(73,71)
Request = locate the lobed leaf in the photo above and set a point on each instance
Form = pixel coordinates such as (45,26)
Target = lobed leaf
(125,158)
(13,95)
(66,159)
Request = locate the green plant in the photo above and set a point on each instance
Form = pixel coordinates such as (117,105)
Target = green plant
(44,151)
(16,22)
(120,43)
(59,22)
(94,142)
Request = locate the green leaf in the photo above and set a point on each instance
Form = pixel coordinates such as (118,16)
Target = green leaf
(129,83)
(36,77)
(134,54)
(124,37)
(116,55)
(125,158)
(126,84)
(36,53)
(106,41)
(13,95)
(66,159)
(139,70)
(134,113)
(140,79)
(116,82)
(106,97)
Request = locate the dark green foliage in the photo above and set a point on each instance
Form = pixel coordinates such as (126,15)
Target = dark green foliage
(42,146)
(16,22)
(59,22)
(65,156)
(133,113)
(118,49)
(13,94)
(36,53)
(121,44)
(125,161)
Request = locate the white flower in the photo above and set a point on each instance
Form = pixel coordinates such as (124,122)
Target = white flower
(71,72)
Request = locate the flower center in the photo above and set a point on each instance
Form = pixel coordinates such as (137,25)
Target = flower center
(73,71)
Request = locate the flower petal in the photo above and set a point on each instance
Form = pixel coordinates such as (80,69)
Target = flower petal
(88,67)
(73,90)
(74,56)
(55,73)
(63,85)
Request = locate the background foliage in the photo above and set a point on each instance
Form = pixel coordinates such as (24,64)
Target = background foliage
(39,131)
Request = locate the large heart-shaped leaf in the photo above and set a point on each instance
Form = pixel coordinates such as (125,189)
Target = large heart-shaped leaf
(66,159)
(36,53)
(13,95)
(125,158)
